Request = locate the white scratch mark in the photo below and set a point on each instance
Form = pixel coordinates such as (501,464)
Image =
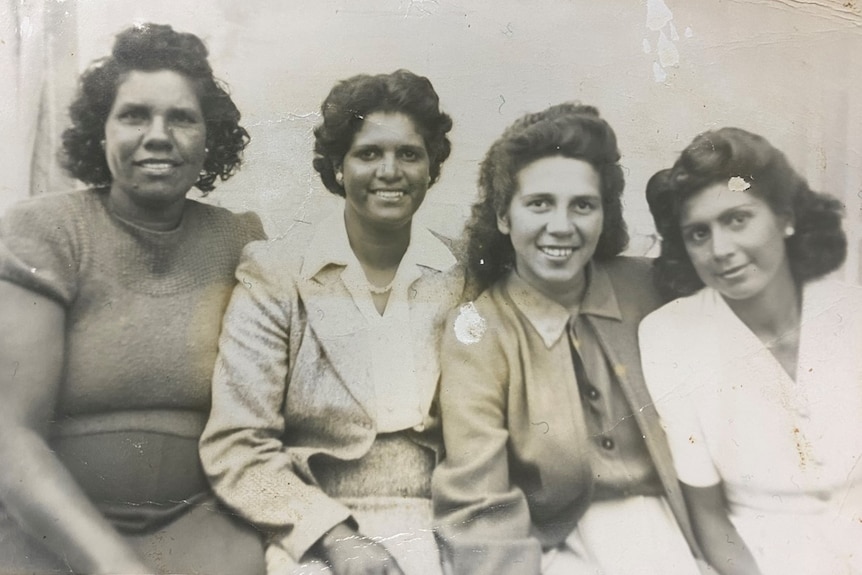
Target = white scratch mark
(668,55)
(469,325)
(688,32)
(738,184)
(658,72)
(658,14)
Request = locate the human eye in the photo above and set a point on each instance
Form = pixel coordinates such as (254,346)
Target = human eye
(738,219)
(133,114)
(366,154)
(186,117)
(696,235)
(410,155)
(585,206)
(538,204)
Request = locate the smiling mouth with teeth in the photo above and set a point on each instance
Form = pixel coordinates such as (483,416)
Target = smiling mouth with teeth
(388,194)
(157,164)
(557,252)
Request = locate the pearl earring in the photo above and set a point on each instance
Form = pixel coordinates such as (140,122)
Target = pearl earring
(789,231)
(339,178)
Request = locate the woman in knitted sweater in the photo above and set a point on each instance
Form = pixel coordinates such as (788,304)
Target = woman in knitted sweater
(110,306)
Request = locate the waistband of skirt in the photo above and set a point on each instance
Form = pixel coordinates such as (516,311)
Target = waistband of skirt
(179,422)
(394,466)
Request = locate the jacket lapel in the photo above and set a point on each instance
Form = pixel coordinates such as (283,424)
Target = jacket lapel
(341,331)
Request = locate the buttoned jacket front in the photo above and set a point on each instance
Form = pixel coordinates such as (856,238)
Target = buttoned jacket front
(516,477)
(292,382)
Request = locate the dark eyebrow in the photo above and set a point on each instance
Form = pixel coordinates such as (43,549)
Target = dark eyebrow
(132,106)
(186,110)
(535,195)
(721,216)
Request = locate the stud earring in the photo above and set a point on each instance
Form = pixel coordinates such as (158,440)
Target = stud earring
(206,150)
(789,231)
(102,143)
(339,178)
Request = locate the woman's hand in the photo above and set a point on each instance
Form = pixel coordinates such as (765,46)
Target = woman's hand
(350,553)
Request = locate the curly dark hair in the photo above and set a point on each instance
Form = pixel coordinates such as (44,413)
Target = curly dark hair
(818,245)
(352,100)
(151,47)
(569,130)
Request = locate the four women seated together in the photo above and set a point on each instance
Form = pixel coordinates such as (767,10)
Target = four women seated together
(364,396)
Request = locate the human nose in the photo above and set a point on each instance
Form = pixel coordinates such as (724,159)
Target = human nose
(559,222)
(722,244)
(158,134)
(388,168)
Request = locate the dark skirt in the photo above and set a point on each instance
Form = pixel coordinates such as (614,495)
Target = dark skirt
(142,470)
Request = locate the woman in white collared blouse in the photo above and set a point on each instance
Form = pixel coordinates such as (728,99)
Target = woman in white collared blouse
(323,430)
(756,370)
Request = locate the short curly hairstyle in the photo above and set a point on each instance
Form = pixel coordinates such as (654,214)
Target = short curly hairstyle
(352,100)
(569,130)
(151,47)
(818,245)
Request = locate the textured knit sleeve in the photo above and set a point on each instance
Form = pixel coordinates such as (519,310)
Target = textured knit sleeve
(481,517)
(40,246)
(250,227)
(670,368)
(242,447)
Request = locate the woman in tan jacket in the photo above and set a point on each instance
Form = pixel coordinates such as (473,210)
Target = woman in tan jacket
(323,430)
(555,461)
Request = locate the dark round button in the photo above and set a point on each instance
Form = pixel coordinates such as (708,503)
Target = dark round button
(607,443)
(592,393)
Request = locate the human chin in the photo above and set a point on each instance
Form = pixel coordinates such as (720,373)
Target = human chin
(548,274)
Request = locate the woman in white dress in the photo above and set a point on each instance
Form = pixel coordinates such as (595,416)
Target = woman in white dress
(756,370)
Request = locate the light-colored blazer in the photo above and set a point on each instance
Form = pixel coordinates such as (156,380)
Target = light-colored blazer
(292,381)
(516,476)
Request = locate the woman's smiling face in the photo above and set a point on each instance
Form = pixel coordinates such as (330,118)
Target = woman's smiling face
(386,171)
(155,138)
(554,221)
(735,241)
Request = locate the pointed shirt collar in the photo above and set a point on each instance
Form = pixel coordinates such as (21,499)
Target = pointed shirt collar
(330,246)
(549,318)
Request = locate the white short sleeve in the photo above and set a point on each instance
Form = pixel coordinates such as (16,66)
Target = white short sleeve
(673,373)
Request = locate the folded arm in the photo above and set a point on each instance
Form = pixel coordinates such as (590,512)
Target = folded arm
(482,518)
(242,448)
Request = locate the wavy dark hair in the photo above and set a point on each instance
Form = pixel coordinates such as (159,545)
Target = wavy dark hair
(818,245)
(352,100)
(151,47)
(569,130)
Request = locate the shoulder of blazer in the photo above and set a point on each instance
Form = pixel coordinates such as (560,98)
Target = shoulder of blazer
(277,261)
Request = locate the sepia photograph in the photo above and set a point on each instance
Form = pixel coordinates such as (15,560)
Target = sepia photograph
(431,287)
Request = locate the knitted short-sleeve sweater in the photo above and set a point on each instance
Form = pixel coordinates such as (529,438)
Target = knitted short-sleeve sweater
(143,313)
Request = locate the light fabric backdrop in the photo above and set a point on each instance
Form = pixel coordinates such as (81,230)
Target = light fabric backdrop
(659,70)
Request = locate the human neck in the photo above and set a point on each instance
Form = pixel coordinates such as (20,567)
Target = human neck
(775,311)
(569,296)
(160,219)
(377,247)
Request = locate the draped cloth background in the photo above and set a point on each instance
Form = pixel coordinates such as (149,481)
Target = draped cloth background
(660,71)
(39,71)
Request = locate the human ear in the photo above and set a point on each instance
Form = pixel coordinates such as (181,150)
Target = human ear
(503,224)
(789,225)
